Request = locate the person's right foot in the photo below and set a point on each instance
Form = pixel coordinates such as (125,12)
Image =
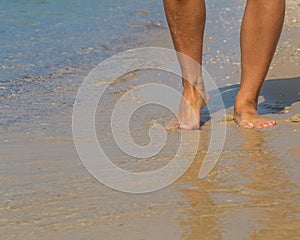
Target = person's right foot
(189,109)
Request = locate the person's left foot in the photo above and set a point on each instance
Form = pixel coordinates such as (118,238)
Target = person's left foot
(246,116)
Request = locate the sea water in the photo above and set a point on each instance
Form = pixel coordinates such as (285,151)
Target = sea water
(39,36)
(43,41)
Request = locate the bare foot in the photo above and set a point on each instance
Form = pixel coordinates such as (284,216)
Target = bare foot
(246,116)
(189,109)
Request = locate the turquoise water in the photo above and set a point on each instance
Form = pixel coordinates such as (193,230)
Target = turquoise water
(38,37)
(47,47)
(43,43)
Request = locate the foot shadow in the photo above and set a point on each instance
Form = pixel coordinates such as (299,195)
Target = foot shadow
(277,95)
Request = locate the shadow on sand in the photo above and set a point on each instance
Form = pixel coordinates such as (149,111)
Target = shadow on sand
(277,94)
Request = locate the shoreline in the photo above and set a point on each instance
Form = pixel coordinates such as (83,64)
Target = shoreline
(253,192)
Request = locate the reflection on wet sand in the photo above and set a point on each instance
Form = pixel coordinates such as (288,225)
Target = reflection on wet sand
(250,195)
(201,215)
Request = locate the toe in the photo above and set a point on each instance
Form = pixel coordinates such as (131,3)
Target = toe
(266,124)
(186,127)
(270,123)
(245,124)
(172,124)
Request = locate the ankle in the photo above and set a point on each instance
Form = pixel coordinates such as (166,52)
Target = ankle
(193,94)
(245,103)
(193,81)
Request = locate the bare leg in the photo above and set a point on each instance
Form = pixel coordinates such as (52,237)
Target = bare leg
(186,20)
(261,29)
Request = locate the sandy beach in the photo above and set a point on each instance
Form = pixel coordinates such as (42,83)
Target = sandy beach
(252,193)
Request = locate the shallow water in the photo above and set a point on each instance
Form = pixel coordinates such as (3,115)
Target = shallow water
(40,37)
(47,193)
(48,47)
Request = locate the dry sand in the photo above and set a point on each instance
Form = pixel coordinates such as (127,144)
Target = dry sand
(253,193)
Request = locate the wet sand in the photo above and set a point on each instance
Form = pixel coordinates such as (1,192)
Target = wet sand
(252,193)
